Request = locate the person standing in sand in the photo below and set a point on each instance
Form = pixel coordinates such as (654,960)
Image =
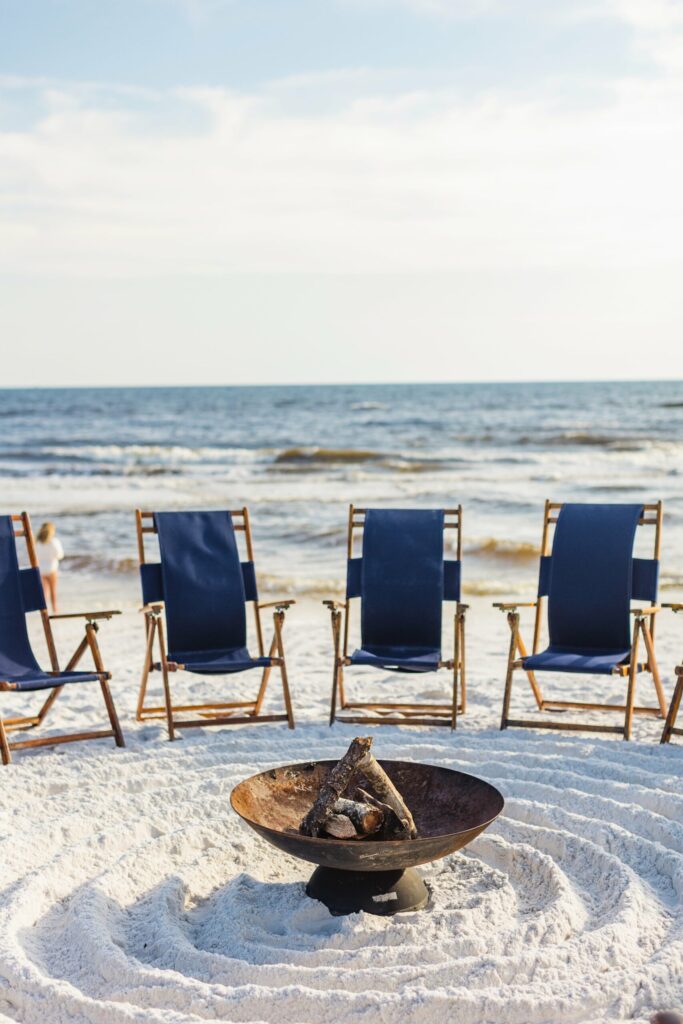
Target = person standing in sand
(50,553)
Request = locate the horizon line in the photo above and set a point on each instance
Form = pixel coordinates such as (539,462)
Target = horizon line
(340,384)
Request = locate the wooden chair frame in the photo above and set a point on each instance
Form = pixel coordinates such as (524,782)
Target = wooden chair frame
(215,713)
(89,642)
(386,712)
(670,728)
(644,624)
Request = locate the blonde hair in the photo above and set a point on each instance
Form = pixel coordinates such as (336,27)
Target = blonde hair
(46,533)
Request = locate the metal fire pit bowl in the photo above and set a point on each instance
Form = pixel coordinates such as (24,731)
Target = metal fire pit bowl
(450,810)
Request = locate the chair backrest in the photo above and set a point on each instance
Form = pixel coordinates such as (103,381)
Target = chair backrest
(200,578)
(591,576)
(401,577)
(21,591)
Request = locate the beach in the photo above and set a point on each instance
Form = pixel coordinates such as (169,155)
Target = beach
(130,891)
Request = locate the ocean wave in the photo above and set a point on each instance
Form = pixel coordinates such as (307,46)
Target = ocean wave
(587,439)
(669,582)
(498,588)
(301,586)
(505,550)
(300,458)
(367,406)
(100,564)
(325,456)
(145,452)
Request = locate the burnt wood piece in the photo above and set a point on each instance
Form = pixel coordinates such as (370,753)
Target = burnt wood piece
(335,786)
(365,818)
(340,827)
(392,825)
(386,790)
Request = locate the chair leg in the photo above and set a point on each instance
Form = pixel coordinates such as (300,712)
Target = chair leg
(54,694)
(632,673)
(278,619)
(73,662)
(91,636)
(673,711)
(342,692)
(264,680)
(456,670)
(463,677)
(521,647)
(513,620)
(151,626)
(167,686)
(336,626)
(113,716)
(42,714)
(5,751)
(654,668)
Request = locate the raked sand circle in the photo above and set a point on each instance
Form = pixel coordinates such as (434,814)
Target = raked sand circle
(134,893)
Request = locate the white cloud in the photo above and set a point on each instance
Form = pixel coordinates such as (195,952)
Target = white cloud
(350,171)
(408,182)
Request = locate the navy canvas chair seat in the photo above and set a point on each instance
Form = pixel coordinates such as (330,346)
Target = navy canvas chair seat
(589,580)
(401,659)
(21,593)
(561,659)
(201,588)
(47,681)
(402,580)
(236,659)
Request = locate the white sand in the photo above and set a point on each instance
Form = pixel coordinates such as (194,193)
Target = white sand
(131,892)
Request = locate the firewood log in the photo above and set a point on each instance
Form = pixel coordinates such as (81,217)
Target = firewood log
(387,792)
(365,817)
(340,827)
(335,786)
(391,823)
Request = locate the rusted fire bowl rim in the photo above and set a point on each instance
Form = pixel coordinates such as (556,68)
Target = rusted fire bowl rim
(450,809)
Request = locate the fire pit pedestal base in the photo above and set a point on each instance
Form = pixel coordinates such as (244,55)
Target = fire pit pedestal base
(375,892)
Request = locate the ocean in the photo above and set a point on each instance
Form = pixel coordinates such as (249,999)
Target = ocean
(86,458)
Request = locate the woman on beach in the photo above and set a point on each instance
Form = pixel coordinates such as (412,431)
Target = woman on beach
(50,552)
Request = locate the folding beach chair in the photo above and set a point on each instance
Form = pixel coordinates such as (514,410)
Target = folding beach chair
(589,580)
(402,581)
(203,588)
(21,592)
(670,728)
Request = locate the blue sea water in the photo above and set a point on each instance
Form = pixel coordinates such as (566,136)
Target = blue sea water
(298,455)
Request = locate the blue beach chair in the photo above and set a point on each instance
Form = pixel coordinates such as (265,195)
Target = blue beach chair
(201,588)
(589,580)
(402,581)
(21,592)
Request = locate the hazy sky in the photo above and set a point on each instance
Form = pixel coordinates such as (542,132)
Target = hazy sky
(225,191)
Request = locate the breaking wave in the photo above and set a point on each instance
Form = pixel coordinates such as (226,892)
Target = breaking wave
(505,550)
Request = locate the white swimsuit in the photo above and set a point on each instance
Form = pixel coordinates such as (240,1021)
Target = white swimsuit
(49,556)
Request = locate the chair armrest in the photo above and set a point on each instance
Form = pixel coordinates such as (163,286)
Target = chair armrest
(676,606)
(334,605)
(152,609)
(277,604)
(91,616)
(506,606)
(650,610)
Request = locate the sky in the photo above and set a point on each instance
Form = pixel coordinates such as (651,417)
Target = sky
(295,191)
